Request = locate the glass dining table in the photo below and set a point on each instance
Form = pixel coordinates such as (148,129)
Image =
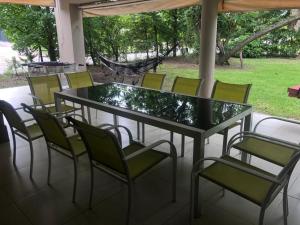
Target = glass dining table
(191,116)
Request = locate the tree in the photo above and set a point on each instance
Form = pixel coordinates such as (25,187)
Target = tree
(256,34)
(223,58)
(30,28)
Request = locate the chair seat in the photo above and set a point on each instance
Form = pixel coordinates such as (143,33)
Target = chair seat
(272,152)
(249,186)
(77,145)
(34,132)
(144,161)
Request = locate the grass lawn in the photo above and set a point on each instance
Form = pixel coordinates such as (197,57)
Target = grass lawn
(270,79)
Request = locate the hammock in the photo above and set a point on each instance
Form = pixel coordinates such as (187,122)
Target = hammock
(136,68)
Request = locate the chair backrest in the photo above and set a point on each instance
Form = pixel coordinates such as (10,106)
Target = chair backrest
(44,87)
(79,79)
(12,117)
(50,126)
(102,146)
(153,80)
(186,86)
(231,92)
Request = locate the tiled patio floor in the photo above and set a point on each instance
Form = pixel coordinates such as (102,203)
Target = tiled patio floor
(24,201)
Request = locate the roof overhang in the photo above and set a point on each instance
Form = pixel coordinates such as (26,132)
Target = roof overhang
(121,7)
(30,2)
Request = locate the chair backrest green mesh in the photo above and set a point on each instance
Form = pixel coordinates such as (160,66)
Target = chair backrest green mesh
(231,92)
(51,128)
(186,86)
(102,146)
(79,79)
(44,87)
(12,117)
(153,80)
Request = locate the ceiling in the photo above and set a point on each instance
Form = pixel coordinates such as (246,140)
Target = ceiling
(121,7)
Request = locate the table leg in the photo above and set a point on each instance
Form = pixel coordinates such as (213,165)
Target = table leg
(57,103)
(198,153)
(247,127)
(3,131)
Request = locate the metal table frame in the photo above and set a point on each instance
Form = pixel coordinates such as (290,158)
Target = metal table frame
(198,135)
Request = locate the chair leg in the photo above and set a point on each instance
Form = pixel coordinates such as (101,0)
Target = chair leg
(261,216)
(138,130)
(225,137)
(182,145)
(129,206)
(49,165)
(171,137)
(92,187)
(285,205)
(14,148)
(31,159)
(89,115)
(75,180)
(82,111)
(174,182)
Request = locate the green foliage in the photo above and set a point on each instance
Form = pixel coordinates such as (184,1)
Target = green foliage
(235,27)
(270,79)
(32,29)
(29,28)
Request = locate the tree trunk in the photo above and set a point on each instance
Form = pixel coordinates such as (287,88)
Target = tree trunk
(222,60)
(175,29)
(41,54)
(296,12)
(51,40)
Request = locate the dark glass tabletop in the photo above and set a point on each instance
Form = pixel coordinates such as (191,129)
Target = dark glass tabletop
(192,111)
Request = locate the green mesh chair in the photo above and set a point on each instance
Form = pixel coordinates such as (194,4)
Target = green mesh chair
(153,81)
(250,182)
(127,164)
(185,86)
(81,80)
(24,129)
(42,91)
(58,140)
(237,93)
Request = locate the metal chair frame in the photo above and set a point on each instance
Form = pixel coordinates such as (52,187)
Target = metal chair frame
(280,181)
(68,76)
(172,133)
(138,123)
(241,123)
(126,179)
(38,102)
(25,136)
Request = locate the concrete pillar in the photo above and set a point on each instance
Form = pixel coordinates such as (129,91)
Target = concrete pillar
(69,32)
(208,38)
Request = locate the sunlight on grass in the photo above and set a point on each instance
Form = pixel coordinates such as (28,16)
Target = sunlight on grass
(270,79)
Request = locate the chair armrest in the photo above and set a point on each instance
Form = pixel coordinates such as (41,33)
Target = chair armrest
(281,142)
(68,124)
(196,171)
(173,152)
(116,127)
(275,118)
(40,101)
